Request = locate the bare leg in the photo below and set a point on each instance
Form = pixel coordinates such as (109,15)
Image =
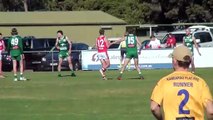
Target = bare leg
(15,70)
(136,65)
(59,66)
(126,61)
(107,63)
(21,63)
(138,68)
(70,63)
(71,66)
(0,67)
(103,67)
(1,74)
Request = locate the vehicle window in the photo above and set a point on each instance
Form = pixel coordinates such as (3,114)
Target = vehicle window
(211,30)
(82,47)
(114,46)
(27,44)
(203,36)
(51,43)
(39,44)
(74,46)
(164,39)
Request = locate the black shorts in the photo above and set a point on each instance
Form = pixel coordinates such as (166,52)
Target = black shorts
(123,51)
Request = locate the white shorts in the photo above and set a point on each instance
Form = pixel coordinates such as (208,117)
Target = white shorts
(102,56)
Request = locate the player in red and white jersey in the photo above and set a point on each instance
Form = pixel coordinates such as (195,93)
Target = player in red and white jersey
(102,45)
(2,48)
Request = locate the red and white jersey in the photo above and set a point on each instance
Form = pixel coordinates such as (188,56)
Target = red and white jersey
(101,44)
(1,45)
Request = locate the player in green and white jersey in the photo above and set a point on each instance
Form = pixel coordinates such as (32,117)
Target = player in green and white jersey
(131,52)
(189,41)
(15,49)
(64,45)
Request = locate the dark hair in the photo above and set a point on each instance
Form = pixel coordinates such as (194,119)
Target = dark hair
(60,31)
(130,31)
(0,33)
(152,36)
(101,31)
(14,31)
(186,63)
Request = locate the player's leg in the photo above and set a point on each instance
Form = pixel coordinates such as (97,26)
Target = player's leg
(71,66)
(15,68)
(107,61)
(129,64)
(1,74)
(60,60)
(21,64)
(137,67)
(193,65)
(126,61)
(103,69)
(122,57)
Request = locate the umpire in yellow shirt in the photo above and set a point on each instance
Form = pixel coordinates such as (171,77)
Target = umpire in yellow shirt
(181,94)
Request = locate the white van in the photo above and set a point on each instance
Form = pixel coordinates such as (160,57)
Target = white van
(201,27)
(203,37)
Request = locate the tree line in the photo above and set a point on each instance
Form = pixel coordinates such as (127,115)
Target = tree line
(132,11)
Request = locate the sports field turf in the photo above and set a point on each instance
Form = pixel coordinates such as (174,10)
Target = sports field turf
(86,97)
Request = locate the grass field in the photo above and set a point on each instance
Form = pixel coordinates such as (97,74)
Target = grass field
(86,97)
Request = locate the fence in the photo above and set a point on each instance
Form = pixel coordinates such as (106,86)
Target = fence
(43,60)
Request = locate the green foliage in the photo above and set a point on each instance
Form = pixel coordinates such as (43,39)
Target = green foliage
(132,11)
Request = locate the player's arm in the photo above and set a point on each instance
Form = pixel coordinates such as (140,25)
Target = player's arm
(118,41)
(183,41)
(70,44)
(107,42)
(139,43)
(156,110)
(209,110)
(196,46)
(156,100)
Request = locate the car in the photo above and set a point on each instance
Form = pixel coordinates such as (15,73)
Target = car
(35,49)
(50,60)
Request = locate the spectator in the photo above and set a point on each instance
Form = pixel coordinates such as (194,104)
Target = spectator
(170,41)
(122,48)
(154,43)
(181,95)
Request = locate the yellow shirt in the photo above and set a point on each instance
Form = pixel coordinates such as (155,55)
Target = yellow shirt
(182,94)
(123,44)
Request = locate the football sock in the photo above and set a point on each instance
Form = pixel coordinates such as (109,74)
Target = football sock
(103,69)
(21,74)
